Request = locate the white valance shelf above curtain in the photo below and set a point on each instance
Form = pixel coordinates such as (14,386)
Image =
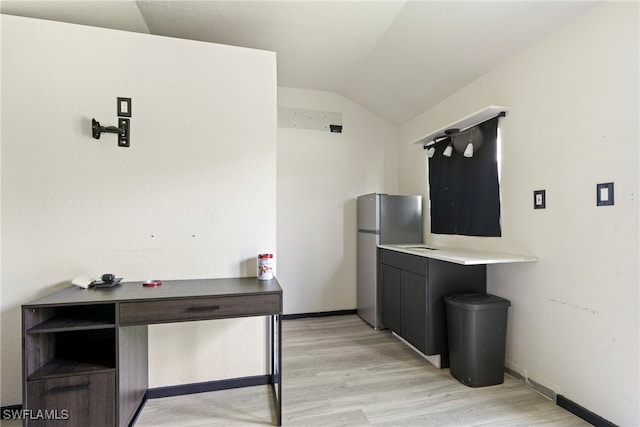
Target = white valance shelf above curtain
(465,123)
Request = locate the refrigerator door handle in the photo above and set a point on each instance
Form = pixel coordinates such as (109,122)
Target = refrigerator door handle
(369,231)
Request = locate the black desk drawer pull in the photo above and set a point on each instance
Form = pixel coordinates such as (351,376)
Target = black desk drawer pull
(70,388)
(204,308)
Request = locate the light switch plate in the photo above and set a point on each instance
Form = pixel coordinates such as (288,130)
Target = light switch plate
(604,194)
(539,199)
(124,107)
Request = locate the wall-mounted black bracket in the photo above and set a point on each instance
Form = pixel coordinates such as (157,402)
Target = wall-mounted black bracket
(123,131)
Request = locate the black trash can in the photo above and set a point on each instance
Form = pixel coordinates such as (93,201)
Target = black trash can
(477,333)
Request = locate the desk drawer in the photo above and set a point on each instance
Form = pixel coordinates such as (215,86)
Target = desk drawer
(73,401)
(182,310)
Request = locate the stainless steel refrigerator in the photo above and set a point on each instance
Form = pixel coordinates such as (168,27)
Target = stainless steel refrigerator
(382,219)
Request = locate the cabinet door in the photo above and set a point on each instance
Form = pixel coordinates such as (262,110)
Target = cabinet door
(390,282)
(414,310)
(79,400)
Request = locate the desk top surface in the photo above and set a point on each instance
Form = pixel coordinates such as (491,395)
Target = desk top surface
(170,289)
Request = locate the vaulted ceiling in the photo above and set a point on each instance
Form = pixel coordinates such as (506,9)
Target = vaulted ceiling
(394,58)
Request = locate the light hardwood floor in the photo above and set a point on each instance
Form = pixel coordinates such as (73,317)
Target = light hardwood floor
(338,371)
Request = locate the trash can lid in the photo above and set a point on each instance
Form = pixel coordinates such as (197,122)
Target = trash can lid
(477,301)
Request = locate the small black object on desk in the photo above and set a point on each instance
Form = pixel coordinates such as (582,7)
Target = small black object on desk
(107,281)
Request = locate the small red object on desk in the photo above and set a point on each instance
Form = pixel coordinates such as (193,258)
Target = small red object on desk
(151,283)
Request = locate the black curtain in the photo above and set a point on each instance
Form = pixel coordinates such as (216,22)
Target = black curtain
(465,192)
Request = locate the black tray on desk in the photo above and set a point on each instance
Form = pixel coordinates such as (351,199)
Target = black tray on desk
(98,284)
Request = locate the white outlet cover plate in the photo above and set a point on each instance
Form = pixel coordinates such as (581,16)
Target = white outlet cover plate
(539,199)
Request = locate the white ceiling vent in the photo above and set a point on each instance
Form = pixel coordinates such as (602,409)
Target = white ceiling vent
(309,119)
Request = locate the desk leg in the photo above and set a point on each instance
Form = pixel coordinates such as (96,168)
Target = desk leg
(275,332)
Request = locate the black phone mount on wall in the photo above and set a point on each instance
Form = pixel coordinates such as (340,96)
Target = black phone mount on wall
(122,130)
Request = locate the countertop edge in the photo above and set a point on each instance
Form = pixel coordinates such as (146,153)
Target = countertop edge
(463,256)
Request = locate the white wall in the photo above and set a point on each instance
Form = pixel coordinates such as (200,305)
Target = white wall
(573,123)
(193,197)
(319,176)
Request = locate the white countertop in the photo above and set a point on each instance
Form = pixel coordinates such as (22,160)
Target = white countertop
(459,255)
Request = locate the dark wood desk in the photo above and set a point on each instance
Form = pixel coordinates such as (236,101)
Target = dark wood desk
(85,351)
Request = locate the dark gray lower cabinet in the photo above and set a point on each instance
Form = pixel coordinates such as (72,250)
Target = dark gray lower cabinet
(412,291)
(391,314)
(414,315)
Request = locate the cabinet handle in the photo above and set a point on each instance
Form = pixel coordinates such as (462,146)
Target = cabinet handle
(205,308)
(69,388)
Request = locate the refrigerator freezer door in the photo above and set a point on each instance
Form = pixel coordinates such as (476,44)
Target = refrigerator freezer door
(367,278)
(368,212)
(401,219)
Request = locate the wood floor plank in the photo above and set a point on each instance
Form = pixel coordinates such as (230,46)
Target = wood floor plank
(338,371)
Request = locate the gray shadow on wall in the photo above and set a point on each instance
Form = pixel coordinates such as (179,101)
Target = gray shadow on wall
(249,267)
(345,272)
